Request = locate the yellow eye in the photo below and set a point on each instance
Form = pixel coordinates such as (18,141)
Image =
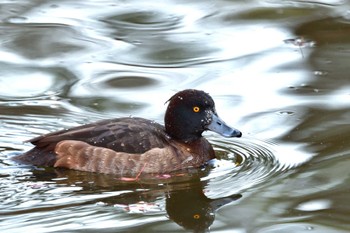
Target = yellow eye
(196,109)
(196,216)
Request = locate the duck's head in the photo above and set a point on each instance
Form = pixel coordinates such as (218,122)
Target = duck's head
(191,112)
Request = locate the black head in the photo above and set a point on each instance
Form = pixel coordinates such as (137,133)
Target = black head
(191,112)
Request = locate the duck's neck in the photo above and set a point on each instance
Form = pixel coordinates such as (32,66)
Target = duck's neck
(181,133)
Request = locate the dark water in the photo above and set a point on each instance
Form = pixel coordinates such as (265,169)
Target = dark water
(278,71)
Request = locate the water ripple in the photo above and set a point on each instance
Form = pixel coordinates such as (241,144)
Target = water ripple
(243,164)
(143,20)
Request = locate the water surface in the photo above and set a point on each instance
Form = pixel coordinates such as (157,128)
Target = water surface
(277,70)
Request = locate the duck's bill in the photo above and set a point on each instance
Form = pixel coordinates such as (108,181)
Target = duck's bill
(219,126)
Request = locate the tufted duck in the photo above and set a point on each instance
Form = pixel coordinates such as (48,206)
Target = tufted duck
(129,146)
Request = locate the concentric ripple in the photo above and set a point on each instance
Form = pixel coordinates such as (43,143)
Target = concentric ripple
(243,164)
(144,20)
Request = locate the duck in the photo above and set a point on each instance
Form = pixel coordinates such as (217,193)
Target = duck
(132,145)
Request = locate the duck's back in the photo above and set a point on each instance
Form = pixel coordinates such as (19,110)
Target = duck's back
(130,135)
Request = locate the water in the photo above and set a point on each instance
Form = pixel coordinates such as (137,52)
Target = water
(277,70)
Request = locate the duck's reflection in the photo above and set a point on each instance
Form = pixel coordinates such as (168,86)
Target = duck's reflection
(185,201)
(191,209)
